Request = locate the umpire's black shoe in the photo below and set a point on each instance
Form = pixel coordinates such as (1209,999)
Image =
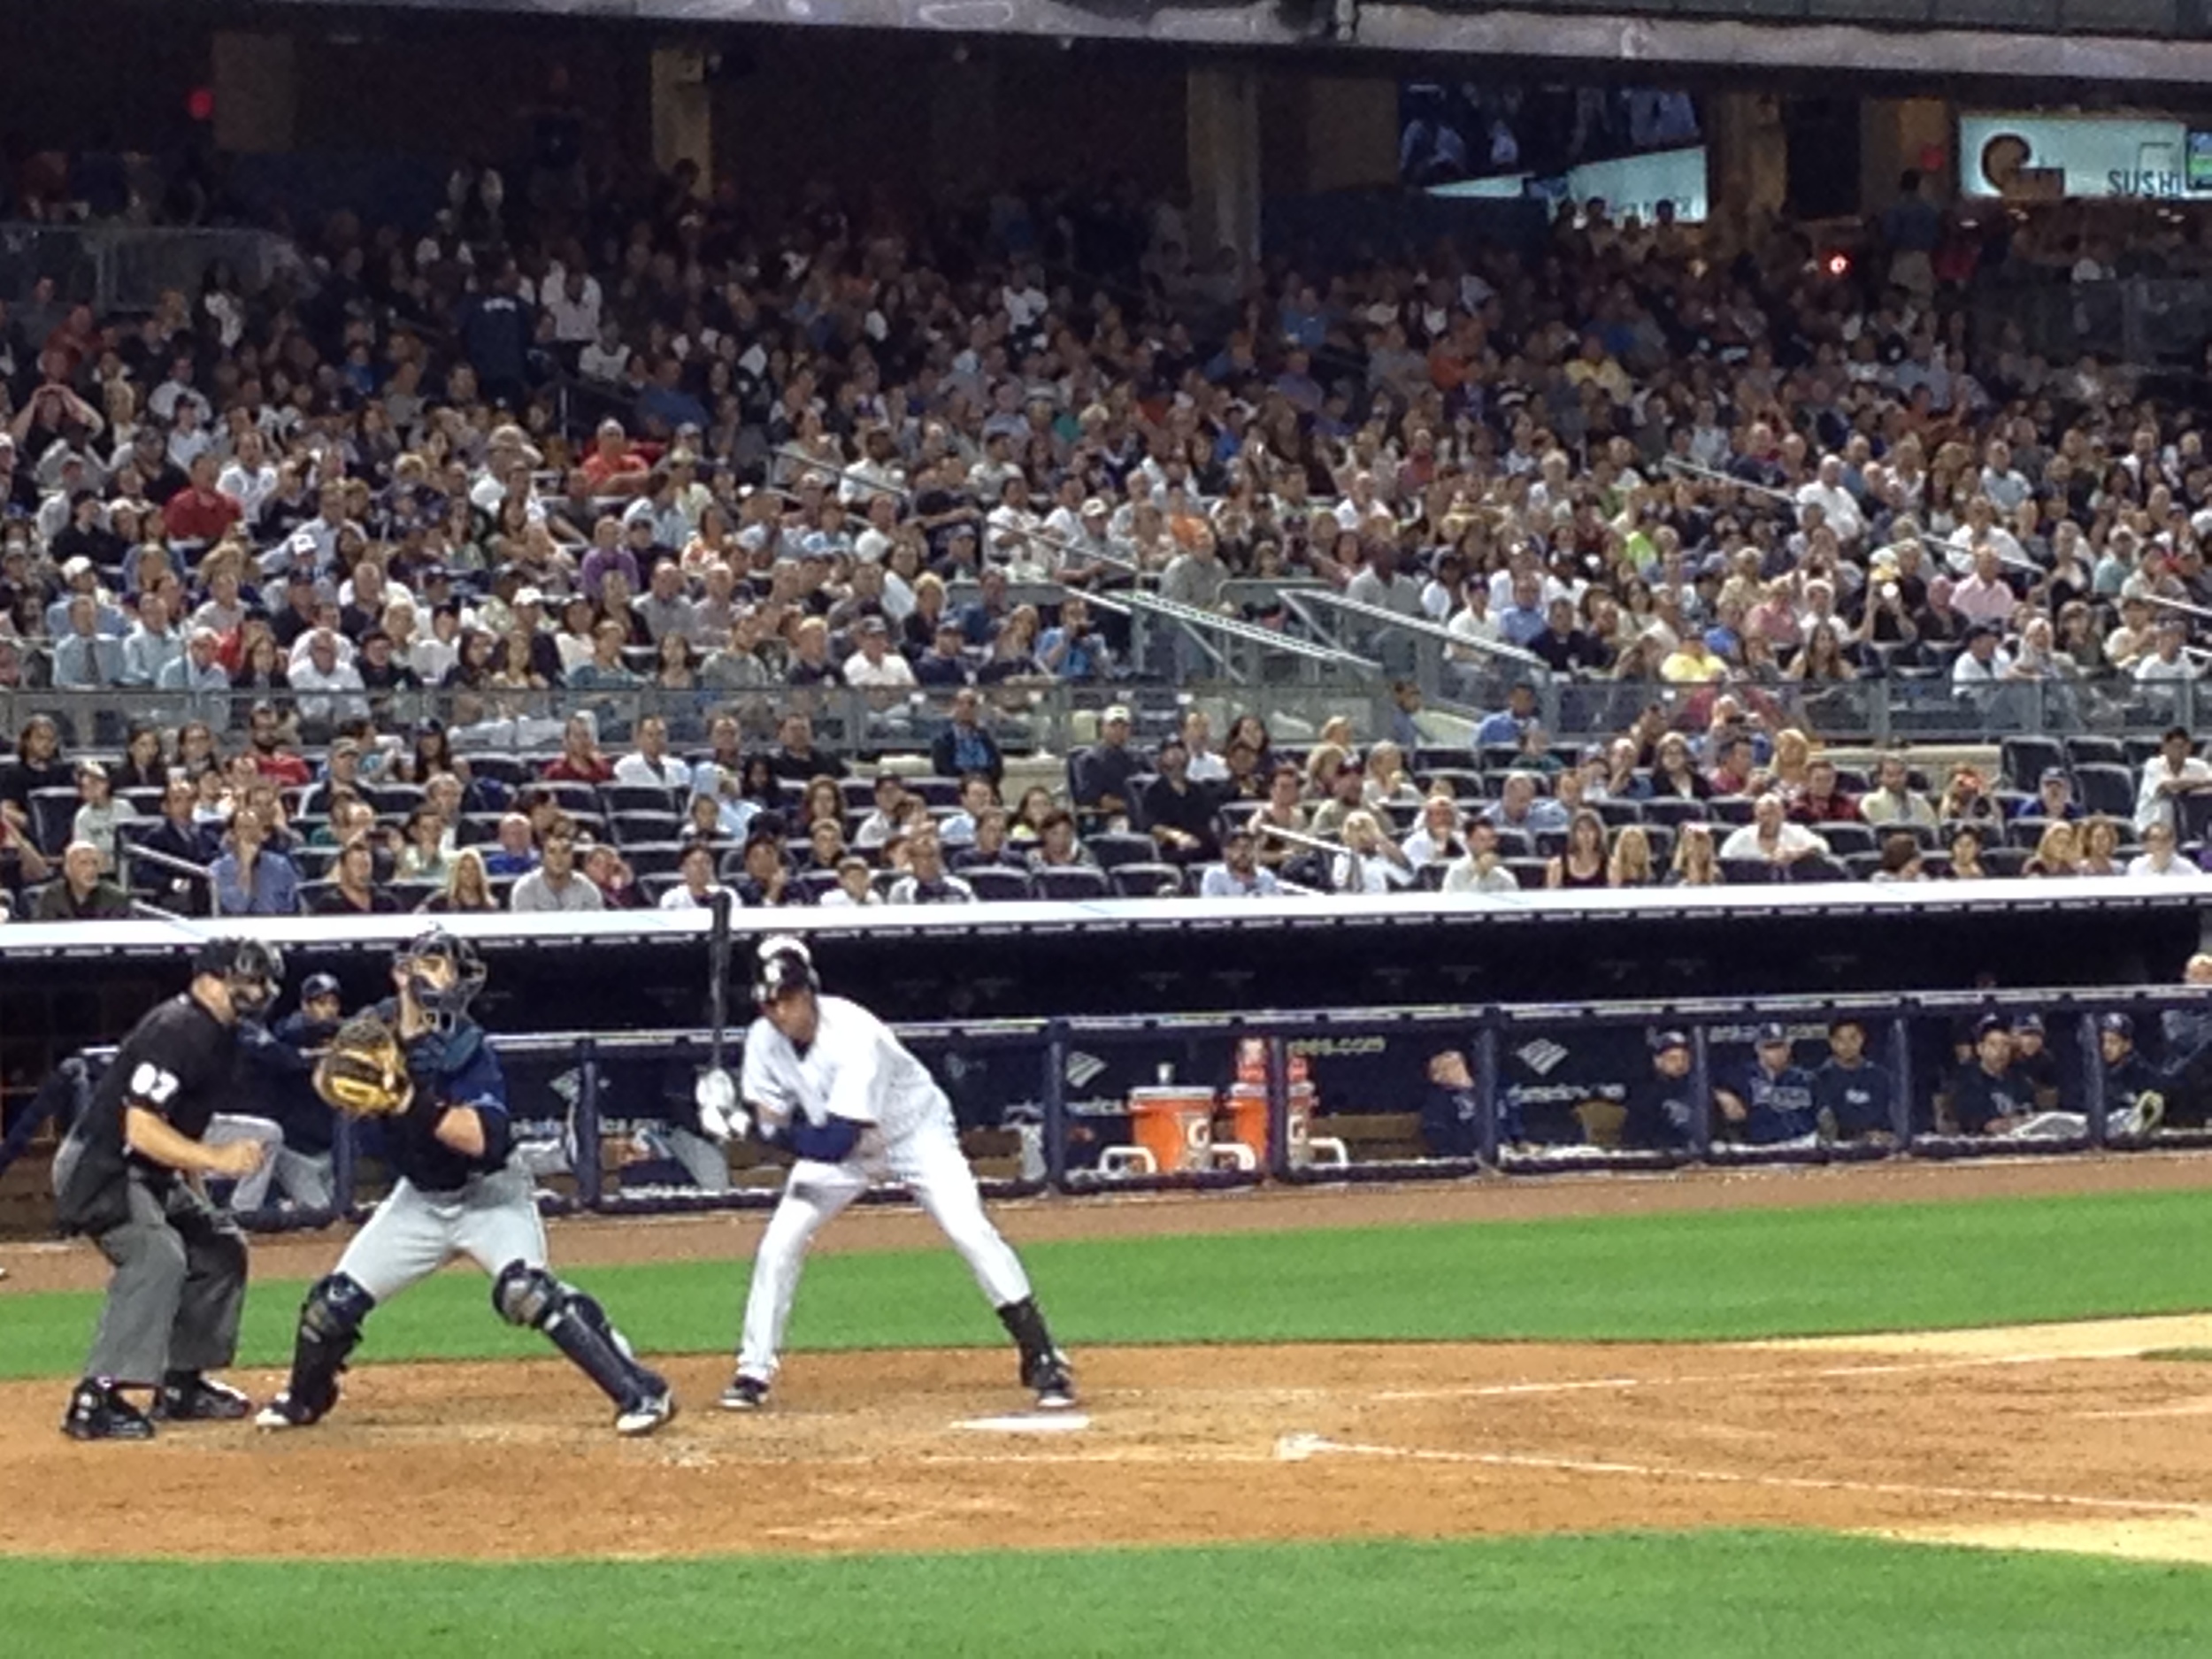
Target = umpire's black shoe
(97,1412)
(189,1397)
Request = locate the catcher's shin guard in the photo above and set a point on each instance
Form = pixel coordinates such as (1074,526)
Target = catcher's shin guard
(578,1326)
(330,1328)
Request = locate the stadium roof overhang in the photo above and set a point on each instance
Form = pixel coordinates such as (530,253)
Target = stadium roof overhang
(2082,41)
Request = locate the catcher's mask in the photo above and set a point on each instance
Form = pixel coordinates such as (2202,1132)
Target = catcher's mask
(250,971)
(442,1004)
(784,966)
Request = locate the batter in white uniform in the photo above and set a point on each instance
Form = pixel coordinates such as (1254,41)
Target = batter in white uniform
(825,1078)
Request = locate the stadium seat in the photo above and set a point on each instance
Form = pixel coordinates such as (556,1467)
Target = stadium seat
(645,827)
(1113,848)
(1073,884)
(1847,839)
(2096,751)
(2105,787)
(1147,880)
(2026,758)
(997,884)
(618,798)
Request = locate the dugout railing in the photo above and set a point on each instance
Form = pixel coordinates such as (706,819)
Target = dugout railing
(1047,1105)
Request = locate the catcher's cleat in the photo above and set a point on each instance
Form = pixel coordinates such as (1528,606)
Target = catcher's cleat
(1052,1379)
(745,1394)
(283,1413)
(648,1412)
(97,1412)
(189,1397)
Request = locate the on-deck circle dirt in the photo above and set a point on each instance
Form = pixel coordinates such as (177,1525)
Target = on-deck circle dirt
(2038,1435)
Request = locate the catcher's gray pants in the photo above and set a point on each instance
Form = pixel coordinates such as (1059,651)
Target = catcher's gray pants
(303,1177)
(492,1219)
(180,1283)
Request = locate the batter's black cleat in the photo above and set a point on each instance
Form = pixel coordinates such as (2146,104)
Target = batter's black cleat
(189,1397)
(283,1413)
(97,1412)
(745,1394)
(1054,1380)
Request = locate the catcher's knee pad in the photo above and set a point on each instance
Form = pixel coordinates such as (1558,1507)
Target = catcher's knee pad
(575,1324)
(336,1308)
(528,1295)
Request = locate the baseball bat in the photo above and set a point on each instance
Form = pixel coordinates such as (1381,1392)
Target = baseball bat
(718,974)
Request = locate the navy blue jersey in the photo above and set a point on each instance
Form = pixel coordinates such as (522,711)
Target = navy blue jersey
(280,1070)
(2123,1082)
(1979,1100)
(457,1068)
(1779,1103)
(1659,1114)
(1859,1097)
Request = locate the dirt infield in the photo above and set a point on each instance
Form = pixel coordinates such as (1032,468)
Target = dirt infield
(2022,1440)
(595,1242)
(2043,1436)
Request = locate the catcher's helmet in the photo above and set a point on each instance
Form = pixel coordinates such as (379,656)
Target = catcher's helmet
(784,966)
(250,970)
(443,1004)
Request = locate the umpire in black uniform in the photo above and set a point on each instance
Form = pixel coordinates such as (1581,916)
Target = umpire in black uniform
(121,1179)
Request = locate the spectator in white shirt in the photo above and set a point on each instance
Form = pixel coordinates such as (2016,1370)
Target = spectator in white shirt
(696,890)
(651,764)
(1480,870)
(1838,510)
(1770,837)
(2175,770)
(2169,660)
(875,665)
(2160,859)
(1370,862)
(1437,838)
(319,674)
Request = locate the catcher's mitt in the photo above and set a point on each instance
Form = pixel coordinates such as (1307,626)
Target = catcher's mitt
(363,1072)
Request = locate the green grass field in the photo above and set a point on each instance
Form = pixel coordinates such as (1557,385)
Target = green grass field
(1711,1276)
(1708,1595)
(1685,1277)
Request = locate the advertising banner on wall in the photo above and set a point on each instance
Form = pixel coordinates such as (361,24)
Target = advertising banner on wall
(2079,157)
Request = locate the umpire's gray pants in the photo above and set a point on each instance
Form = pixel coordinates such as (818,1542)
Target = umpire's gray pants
(179,1284)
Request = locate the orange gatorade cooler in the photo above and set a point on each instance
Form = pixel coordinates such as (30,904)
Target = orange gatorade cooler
(1175,1125)
(1247,1117)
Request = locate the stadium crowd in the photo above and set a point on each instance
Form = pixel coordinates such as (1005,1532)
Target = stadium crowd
(510,563)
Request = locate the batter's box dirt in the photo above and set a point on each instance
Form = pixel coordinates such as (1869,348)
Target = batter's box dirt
(865,1452)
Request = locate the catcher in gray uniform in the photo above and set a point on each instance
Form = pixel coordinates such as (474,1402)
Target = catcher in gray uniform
(421,1066)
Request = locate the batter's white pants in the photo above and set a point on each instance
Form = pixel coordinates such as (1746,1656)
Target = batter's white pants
(930,1166)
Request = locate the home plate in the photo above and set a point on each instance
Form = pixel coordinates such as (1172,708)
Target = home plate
(1054,1422)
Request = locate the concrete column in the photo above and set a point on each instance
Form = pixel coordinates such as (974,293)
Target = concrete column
(1747,164)
(1351,132)
(257,92)
(1222,138)
(964,127)
(683,111)
(1895,134)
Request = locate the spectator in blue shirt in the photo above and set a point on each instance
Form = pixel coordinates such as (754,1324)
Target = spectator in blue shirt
(251,879)
(1504,728)
(964,746)
(1074,650)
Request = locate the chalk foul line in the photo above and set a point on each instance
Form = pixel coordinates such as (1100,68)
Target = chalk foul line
(1899,1367)
(1302,1448)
